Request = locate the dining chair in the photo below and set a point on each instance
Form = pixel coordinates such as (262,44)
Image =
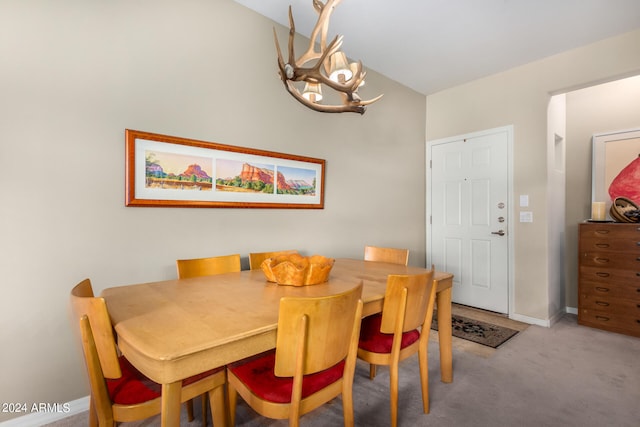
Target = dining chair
(256,258)
(401,330)
(390,255)
(196,267)
(119,392)
(313,362)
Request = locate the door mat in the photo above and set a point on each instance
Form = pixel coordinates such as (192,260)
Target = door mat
(477,331)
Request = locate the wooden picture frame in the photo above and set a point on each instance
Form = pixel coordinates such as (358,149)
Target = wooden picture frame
(611,153)
(169,171)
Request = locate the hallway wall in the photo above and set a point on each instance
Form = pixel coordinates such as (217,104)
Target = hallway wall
(603,108)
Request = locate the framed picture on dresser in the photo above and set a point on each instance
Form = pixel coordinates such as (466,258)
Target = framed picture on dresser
(616,166)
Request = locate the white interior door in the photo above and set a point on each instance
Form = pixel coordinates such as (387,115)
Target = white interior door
(468,215)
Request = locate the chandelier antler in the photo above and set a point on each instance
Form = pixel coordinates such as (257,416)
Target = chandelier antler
(330,67)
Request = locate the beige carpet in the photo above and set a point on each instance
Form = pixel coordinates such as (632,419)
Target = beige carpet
(564,376)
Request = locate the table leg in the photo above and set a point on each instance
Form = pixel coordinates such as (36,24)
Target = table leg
(170,415)
(443,302)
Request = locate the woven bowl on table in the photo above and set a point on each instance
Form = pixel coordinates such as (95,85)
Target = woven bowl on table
(297,270)
(624,210)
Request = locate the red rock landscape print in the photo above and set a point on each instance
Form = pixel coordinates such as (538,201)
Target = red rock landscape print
(170,171)
(242,177)
(298,181)
(238,176)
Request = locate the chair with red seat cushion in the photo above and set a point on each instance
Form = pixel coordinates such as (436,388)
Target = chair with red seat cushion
(401,330)
(210,266)
(119,392)
(391,256)
(314,360)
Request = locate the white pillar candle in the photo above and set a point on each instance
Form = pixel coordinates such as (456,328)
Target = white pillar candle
(597,211)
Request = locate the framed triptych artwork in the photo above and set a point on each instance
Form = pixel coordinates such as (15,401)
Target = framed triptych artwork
(169,171)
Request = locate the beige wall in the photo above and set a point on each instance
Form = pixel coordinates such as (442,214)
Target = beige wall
(604,108)
(76,74)
(556,207)
(520,97)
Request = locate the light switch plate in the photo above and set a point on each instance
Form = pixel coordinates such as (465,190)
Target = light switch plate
(526,216)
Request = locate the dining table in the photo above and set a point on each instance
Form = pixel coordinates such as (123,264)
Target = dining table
(173,329)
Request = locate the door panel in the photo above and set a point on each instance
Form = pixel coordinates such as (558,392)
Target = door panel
(468,196)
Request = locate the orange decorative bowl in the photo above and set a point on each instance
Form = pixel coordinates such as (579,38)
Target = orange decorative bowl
(297,270)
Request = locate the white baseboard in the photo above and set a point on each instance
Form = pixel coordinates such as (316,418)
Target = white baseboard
(556,317)
(540,322)
(530,320)
(47,413)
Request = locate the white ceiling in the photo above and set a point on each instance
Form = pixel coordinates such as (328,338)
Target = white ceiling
(431,45)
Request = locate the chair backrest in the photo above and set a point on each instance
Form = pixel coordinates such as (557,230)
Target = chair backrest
(256,258)
(323,329)
(100,398)
(390,255)
(84,303)
(197,267)
(410,297)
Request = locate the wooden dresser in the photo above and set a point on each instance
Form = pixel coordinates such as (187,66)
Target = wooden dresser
(609,277)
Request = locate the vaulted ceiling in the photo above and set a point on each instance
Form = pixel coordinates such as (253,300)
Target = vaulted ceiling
(431,45)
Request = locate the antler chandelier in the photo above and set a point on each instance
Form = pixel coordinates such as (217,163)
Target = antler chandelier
(327,67)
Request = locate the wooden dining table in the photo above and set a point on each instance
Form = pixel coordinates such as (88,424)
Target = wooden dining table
(174,329)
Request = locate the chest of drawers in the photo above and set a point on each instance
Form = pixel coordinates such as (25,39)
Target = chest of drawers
(609,277)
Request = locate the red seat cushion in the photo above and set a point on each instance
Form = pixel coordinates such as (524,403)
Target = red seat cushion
(258,374)
(133,387)
(371,339)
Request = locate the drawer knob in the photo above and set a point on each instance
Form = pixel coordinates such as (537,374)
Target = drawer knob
(601,289)
(606,260)
(604,304)
(605,245)
(603,274)
(603,318)
(603,231)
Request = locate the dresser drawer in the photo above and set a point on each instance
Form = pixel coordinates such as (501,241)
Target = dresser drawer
(615,290)
(610,304)
(611,260)
(616,244)
(609,275)
(610,231)
(624,324)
